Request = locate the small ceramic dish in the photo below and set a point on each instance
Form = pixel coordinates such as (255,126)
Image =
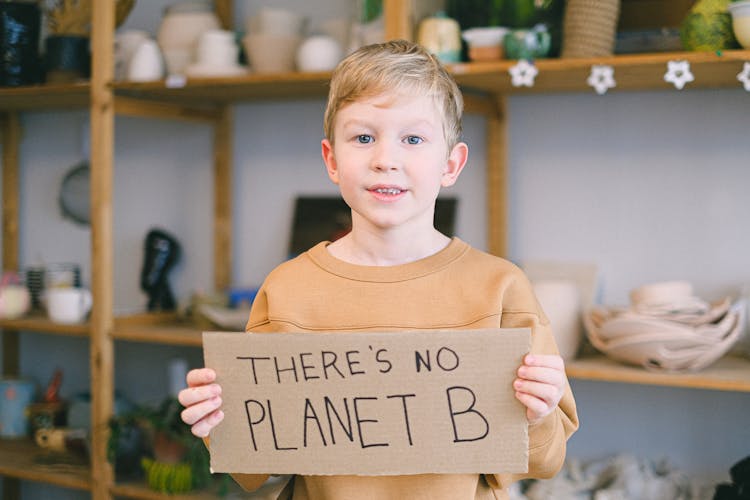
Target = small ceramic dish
(485,44)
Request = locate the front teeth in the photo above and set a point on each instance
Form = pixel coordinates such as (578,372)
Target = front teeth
(388,191)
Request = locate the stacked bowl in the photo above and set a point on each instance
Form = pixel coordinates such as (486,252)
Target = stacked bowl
(666,328)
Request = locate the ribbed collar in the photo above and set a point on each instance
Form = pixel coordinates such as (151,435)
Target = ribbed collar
(320,255)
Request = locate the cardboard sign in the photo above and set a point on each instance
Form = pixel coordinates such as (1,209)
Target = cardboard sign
(369,403)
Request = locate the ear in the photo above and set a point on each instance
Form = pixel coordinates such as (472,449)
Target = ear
(326,149)
(455,164)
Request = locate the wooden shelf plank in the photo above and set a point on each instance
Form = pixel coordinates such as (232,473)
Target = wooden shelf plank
(728,374)
(42,324)
(23,459)
(232,89)
(632,72)
(45,97)
(142,492)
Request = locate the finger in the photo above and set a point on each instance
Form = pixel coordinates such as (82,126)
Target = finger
(193,395)
(203,427)
(545,360)
(200,376)
(540,374)
(544,392)
(192,414)
(535,407)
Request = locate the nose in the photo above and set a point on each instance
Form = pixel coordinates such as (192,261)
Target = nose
(385,157)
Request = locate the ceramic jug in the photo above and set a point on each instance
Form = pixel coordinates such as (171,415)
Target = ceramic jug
(441,35)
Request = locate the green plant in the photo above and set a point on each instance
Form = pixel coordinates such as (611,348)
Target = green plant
(165,446)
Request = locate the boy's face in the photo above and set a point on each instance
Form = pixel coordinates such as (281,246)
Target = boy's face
(390,160)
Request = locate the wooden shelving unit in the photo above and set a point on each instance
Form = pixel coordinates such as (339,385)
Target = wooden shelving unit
(486,86)
(23,459)
(727,374)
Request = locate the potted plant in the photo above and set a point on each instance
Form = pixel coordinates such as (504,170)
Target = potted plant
(69,30)
(155,443)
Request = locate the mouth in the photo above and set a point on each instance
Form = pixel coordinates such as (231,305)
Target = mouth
(392,191)
(387,193)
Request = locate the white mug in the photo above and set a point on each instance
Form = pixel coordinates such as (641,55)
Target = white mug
(68,305)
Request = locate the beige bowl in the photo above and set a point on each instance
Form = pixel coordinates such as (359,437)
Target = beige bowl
(268,53)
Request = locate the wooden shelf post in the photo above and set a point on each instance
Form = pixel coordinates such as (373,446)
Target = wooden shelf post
(497,178)
(102,116)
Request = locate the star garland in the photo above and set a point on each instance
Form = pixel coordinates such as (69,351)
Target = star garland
(523,74)
(602,78)
(744,76)
(678,73)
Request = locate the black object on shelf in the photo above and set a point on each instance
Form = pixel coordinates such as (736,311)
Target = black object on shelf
(19,43)
(739,489)
(160,253)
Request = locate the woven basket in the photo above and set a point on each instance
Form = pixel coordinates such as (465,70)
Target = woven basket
(589,27)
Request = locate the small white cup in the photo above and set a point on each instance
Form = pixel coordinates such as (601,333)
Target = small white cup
(146,64)
(217,48)
(126,43)
(68,305)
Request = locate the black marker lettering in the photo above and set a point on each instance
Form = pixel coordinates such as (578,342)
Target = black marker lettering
(273,430)
(469,409)
(252,365)
(306,367)
(293,369)
(445,364)
(353,362)
(419,360)
(311,415)
(330,364)
(347,428)
(383,361)
(406,412)
(361,421)
(252,422)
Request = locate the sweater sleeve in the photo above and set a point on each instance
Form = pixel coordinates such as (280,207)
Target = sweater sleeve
(547,438)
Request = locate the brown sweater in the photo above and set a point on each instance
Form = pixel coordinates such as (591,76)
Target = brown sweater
(457,288)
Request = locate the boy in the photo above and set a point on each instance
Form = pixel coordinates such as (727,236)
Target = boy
(393,127)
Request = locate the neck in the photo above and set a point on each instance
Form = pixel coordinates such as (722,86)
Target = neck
(387,248)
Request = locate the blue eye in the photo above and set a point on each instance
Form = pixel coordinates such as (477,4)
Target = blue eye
(364,139)
(413,139)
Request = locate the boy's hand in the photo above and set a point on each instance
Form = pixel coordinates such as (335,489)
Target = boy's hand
(540,385)
(201,400)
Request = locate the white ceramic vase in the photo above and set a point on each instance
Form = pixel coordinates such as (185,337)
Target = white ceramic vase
(561,302)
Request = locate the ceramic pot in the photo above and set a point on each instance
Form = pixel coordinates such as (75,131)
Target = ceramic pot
(441,35)
(561,302)
(67,58)
(15,301)
(181,28)
(318,53)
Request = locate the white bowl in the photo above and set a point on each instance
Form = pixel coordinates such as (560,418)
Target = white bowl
(741,22)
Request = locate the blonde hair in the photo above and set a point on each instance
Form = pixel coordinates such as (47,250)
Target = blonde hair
(393,66)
